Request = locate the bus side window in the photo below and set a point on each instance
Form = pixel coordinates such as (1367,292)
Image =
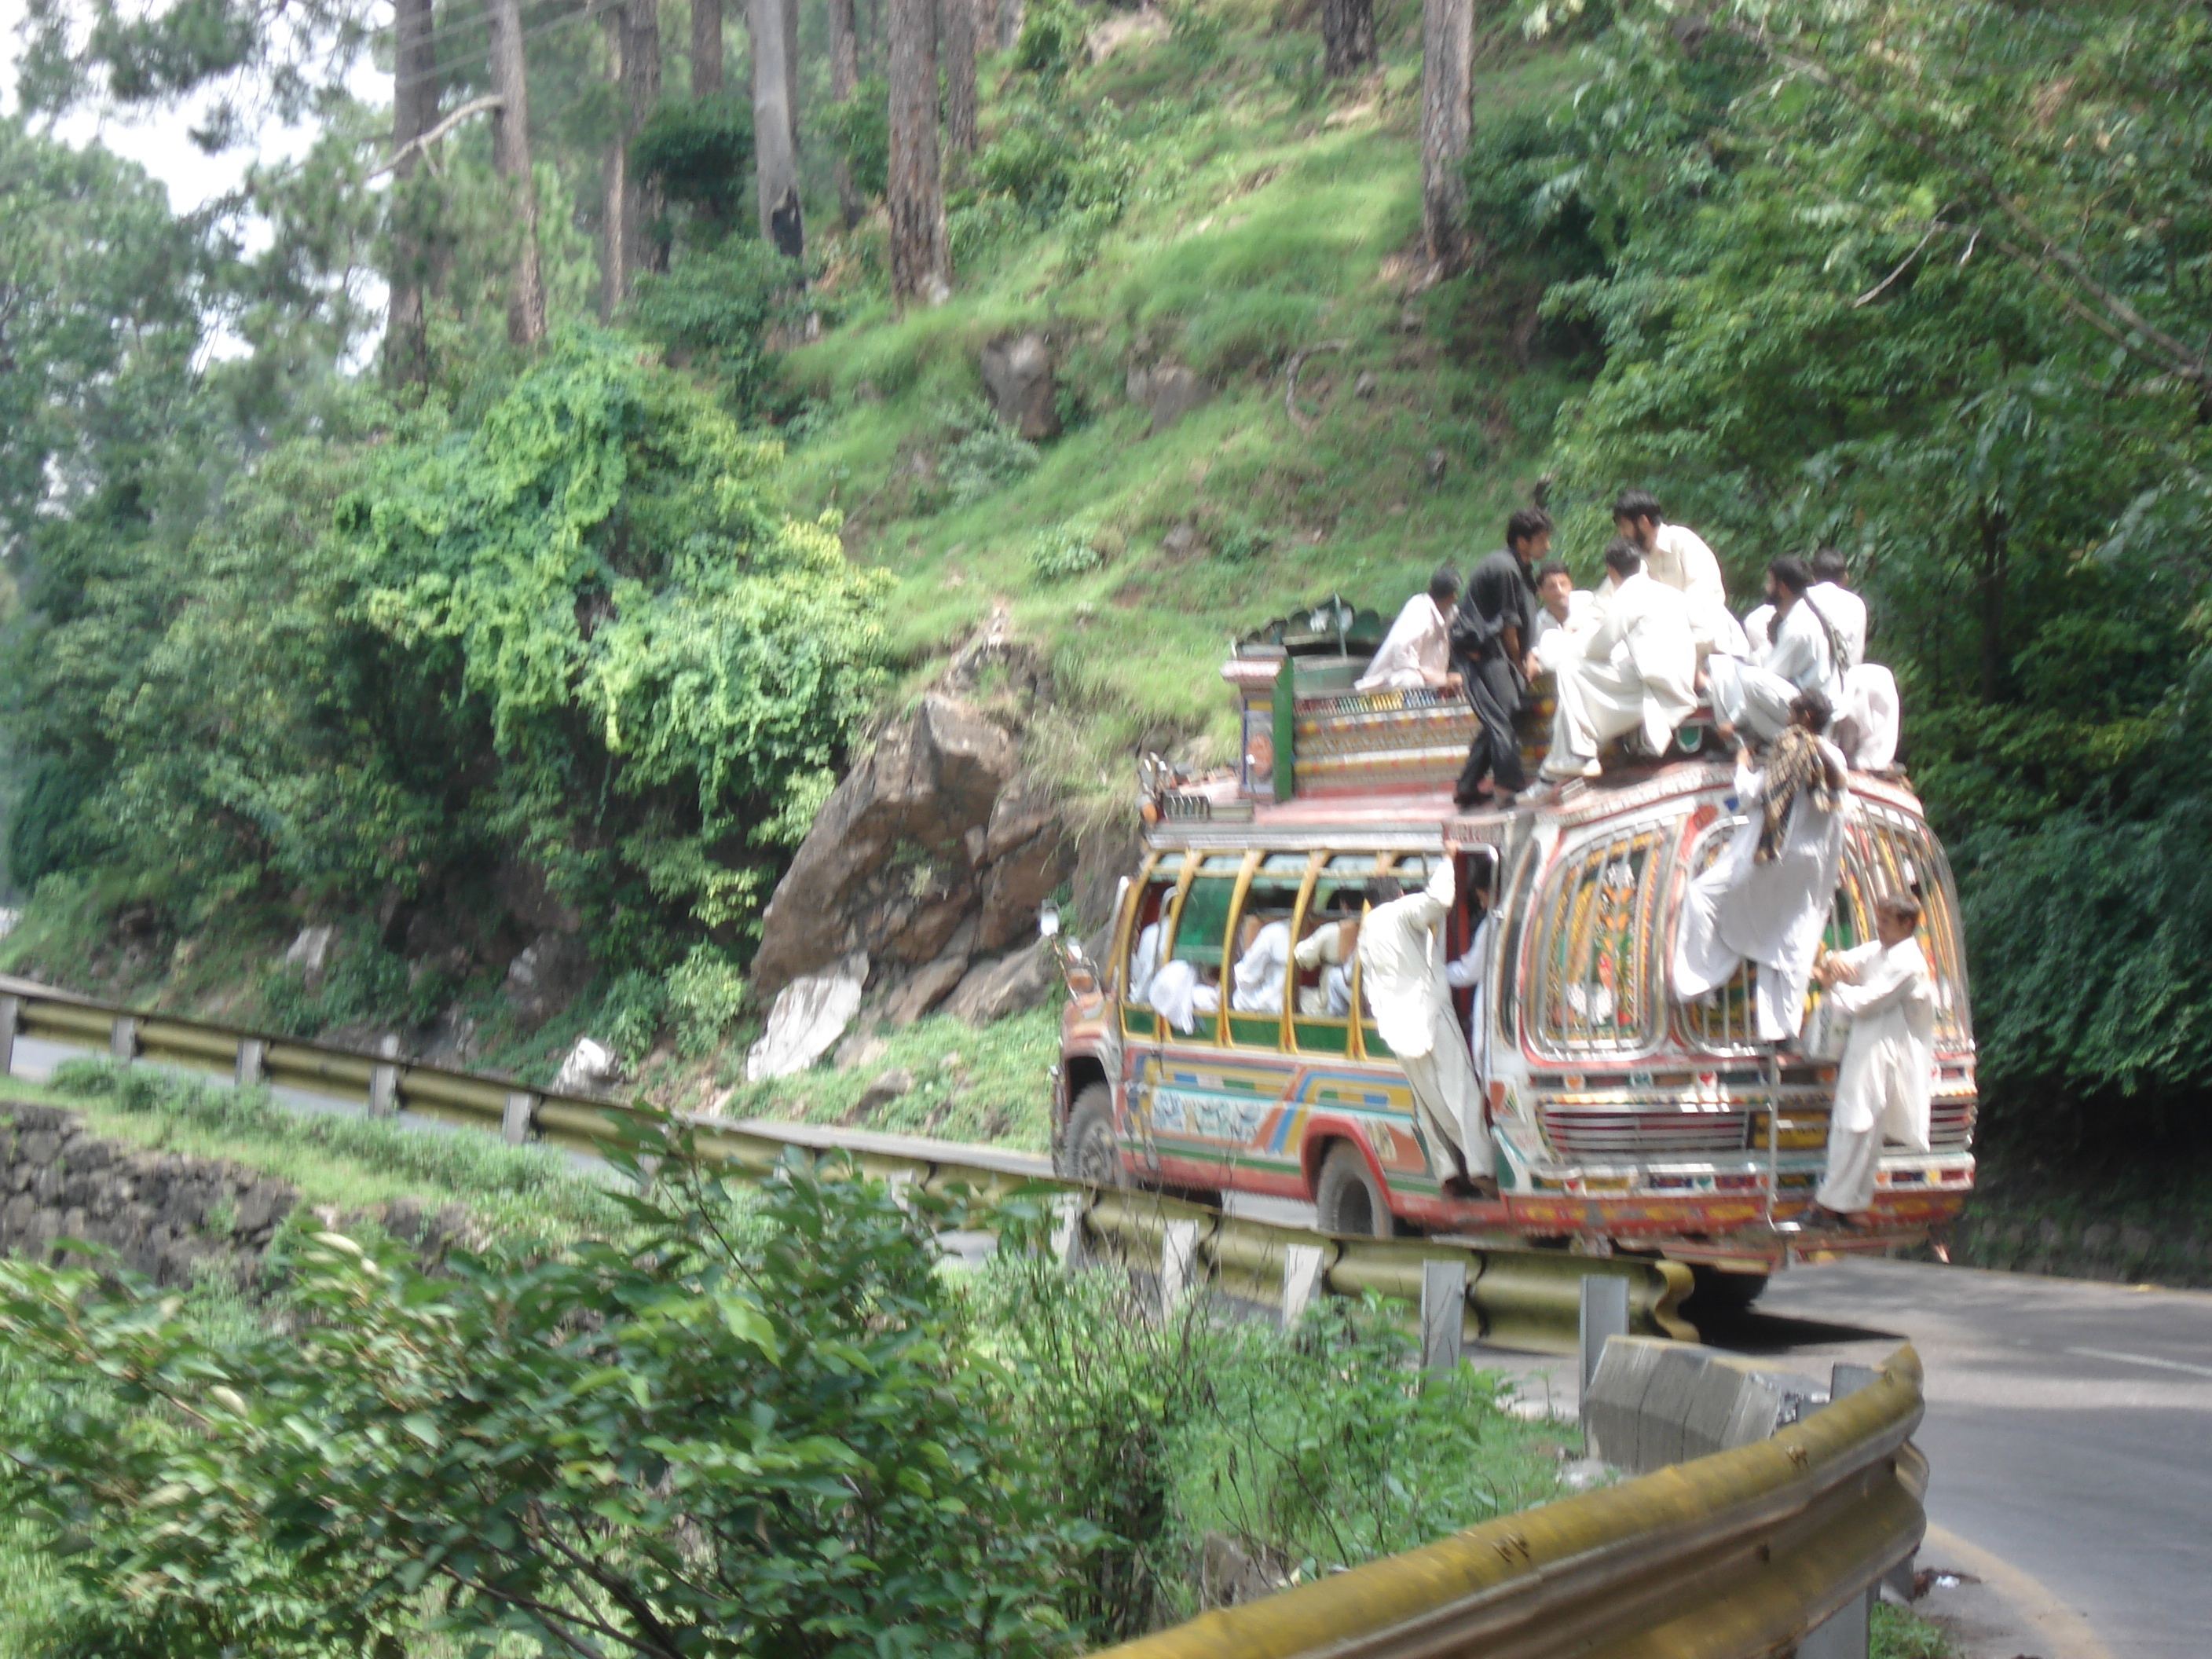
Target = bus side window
(1320,1022)
(1146,930)
(1186,988)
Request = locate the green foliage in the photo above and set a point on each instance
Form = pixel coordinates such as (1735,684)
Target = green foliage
(699,152)
(859,127)
(983,457)
(712,310)
(1051,42)
(364,984)
(1900,1633)
(701,1468)
(1064,550)
(706,993)
(1060,164)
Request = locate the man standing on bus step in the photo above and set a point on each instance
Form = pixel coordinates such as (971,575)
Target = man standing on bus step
(1490,640)
(1401,976)
(1882,1082)
(1635,672)
(1676,557)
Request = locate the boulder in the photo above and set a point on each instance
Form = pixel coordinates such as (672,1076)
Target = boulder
(860,1048)
(925,990)
(1016,371)
(311,952)
(887,1087)
(992,990)
(811,1013)
(1171,393)
(884,869)
(590,1069)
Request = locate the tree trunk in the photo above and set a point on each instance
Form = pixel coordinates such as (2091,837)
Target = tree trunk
(1347,35)
(922,264)
(705,47)
(790,67)
(642,247)
(1010,23)
(844,78)
(614,185)
(1447,73)
(1989,596)
(775,142)
(414,112)
(958,20)
(510,151)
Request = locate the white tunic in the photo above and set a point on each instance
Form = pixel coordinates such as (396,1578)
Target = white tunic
(1555,641)
(1870,701)
(1759,629)
(1401,974)
(1637,667)
(1802,655)
(1179,997)
(1883,1081)
(1324,947)
(1847,614)
(1418,645)
(1681,560)
(1142,962)
(1257,982)
(1771,914)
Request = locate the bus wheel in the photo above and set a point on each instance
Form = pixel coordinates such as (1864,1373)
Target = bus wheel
(1716,1290)
(1092,1151)
(1348,1196)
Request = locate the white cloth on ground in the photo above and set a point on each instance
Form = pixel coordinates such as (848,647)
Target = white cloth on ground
(1179,997)
(1256,985)
(1771,914)
(1401,974)
(1418,643)
(1871,706)
(1143,963)
(1847,614)
(1882,1085)
(1638,668)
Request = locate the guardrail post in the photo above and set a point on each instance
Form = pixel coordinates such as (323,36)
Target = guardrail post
(11,1020)
(1846,1633)
(1301,1281)
(1067,1227)
(1604,1313)
(518,1118)
(1178,1255)
(384,1080)
(122,1038)
(253,1061)
(1444,1313)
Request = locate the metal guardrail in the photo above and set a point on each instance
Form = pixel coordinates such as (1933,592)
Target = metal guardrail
(1524,1299)
(1739,1554)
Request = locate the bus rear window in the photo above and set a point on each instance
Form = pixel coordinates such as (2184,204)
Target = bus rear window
(1595,974)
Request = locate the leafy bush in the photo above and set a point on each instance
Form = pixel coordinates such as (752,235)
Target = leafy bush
(699,152)
(364,983)
(983,457)
(1064,550)
(706,992)
(1052,39)
(631,1013)
(772,1426)
(859,127)
(711,310)
(1060,162)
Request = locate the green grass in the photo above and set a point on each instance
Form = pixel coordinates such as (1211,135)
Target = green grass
(987,1084)
(1901,1633)
(350,1162)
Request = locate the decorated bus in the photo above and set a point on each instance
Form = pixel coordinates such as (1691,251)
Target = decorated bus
(1616,1117)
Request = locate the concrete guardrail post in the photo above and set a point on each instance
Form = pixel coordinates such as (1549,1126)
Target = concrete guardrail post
(1178,1256)
(11,1020)
(1067,1229)
(122,1038)
(1604,1313)
(1301,1281)
(384,1079)
(253,1061)
(1443,1309)
(1846,1633)
(516,1117)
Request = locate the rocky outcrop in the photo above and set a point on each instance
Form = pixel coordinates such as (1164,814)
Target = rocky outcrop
(1017,370)
(1167,392)
(164,1215)
(810,1015)
(992,990)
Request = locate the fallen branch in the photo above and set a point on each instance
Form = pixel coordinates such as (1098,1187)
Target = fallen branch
(424,141)
(1291,390)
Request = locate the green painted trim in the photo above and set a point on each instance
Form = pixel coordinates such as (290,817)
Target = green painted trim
(1286,732)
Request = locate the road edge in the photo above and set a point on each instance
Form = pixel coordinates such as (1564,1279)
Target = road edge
(2062,1632)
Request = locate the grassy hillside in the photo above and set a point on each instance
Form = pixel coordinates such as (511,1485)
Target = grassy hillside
(1268,212)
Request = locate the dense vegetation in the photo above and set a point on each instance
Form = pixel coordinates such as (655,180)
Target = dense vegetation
(750,1421)
(1926,283)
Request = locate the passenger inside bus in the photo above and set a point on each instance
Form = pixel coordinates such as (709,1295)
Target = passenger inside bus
(1328,950)
(1182,990)
(1263,952)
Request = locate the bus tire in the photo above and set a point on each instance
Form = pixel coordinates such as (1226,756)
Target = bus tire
(1716,1290)
(1092,1151)
(1348,1197)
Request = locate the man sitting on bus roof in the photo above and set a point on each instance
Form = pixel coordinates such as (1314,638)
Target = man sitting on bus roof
(1417,651)
(1882,1082)
(1401,974)
(1564,614)
(1635,672)
(1766,898)
(1807,654)
(1676,557)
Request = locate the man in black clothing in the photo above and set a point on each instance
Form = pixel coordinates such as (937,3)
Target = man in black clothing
(1490,635)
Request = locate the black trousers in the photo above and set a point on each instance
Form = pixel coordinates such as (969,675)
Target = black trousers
(1493,691)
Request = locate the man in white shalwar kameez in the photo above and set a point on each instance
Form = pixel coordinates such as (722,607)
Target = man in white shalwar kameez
(1766,898)
(1637,671)
(1256,982)
(1417,651)
(1565,613)
(1676,557)
(1180,993)
(1805,655)
(1882,1084)
(1401,975)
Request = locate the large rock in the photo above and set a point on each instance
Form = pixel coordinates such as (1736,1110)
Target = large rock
(590,1069)
(1017,372)
(811,1013)
(541,981)
(1172,393)
(929,987)
(886,869)
(992,990)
